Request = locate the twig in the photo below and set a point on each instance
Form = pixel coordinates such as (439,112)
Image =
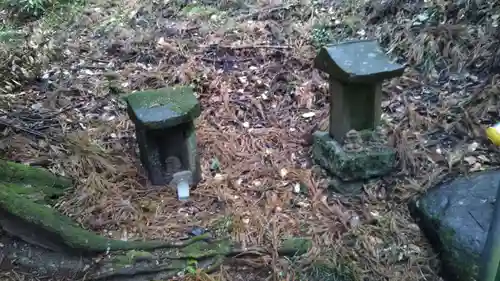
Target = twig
(267,10)
(33,132)
(257,47)
(223,60)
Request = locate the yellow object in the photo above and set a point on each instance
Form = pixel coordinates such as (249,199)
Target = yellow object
(493,134)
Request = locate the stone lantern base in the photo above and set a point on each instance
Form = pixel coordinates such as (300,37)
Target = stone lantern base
(351,163)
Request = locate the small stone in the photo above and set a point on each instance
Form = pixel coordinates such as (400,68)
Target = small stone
(283,172)
(308,114)
(238,182)
(354,221)
(36,106)
(352,147)
(303,204)
(219,178)
(197,231)
(296,188)
(470,160)
(361,32)
(473,146)
(375,214)
(476,167)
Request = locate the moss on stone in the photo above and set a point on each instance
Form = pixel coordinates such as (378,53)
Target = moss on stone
(163,108)
(352,166)
(193,156)
(70,234)
(464,264)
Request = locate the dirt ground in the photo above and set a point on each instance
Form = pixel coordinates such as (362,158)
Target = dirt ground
(251,65)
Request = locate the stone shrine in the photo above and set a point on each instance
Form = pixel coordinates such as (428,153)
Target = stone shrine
(166,134)
(354,148)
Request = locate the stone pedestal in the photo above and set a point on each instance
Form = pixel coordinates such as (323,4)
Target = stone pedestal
(165,132)
(368,161)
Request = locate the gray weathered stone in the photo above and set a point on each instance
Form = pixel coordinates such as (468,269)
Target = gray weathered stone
(356,72)
(361,61)
(163,108)
(350,165)
(165,132)
(456,216)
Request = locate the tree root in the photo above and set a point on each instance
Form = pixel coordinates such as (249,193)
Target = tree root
(40,240)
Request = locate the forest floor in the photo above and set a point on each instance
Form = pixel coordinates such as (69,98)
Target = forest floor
(251,65)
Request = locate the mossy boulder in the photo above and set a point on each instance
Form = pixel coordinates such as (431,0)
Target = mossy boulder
(455,217)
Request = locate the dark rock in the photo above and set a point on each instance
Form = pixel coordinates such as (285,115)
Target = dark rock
(455,217)
(197,231)
(346,188)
